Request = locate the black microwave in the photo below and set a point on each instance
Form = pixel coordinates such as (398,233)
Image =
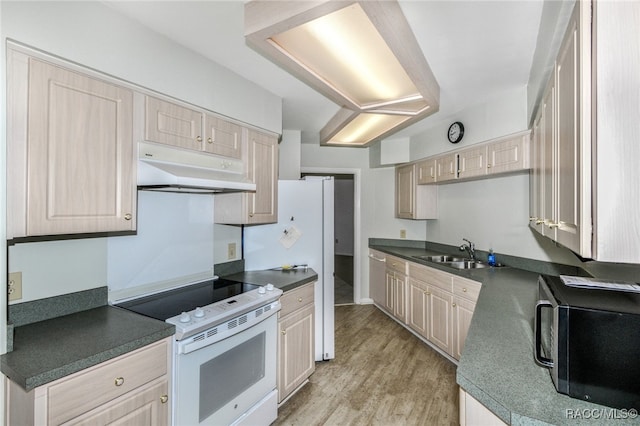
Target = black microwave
(590,341)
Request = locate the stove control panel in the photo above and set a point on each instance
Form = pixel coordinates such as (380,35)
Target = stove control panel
(201,318)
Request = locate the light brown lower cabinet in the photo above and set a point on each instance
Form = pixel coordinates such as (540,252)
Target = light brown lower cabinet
(130,389)
(472,412)
(440,307)
(296,337)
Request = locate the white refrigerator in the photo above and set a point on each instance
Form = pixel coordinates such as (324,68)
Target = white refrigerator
(303,235)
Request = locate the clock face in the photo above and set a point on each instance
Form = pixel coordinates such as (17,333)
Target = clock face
(456,131)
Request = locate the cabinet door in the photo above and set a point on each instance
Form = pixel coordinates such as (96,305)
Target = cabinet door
(400,305)
(547,175)
(263,171)
(417,315)
(173,124)
(148,406)
(390,292)
(222,137)
(462,314)
(568,177)
(80,154)
(296,350)
(426,171)
(446,167)
(440,303)
(472,162)
(507,156)
(536,182)
(405,192)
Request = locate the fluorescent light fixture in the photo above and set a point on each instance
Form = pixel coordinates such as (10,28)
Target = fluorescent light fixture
(360,54)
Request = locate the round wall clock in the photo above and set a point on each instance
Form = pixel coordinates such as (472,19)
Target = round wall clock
(455,133)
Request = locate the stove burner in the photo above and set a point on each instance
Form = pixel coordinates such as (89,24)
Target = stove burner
(170,303)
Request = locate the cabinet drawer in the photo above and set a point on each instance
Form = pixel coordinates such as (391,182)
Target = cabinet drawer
(295,299)
(396,264)
(431,276)
(466,288)
(83,391)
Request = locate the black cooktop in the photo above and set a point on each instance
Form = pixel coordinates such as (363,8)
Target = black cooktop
(173,302)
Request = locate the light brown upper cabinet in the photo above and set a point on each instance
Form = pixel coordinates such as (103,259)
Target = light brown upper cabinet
(260,206)
(426,171)
(586,131)
(172,124)
(501,155)
(414,201)
(71,165)
(446,167)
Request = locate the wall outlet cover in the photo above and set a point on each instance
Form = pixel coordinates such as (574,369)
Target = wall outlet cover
(15,286)
(403,233)
(231,251)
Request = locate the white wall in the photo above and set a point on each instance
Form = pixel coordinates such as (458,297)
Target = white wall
(492,213)
(289,151)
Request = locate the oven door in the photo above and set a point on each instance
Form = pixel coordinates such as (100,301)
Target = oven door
(219,383)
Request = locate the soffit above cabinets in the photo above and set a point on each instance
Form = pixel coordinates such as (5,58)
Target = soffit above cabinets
(360,54)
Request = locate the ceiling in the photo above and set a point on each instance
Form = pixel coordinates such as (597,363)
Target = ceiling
(476,49)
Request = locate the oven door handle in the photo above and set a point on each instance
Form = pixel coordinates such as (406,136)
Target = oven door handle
(537,326)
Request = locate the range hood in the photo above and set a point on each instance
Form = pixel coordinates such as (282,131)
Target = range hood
(165,168)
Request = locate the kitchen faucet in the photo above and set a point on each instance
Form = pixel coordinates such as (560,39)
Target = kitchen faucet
(469,248)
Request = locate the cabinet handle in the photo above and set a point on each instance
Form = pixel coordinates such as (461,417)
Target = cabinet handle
(119,381)
(199,138)
(539,221)
(553,225)
(283,332)
(127,216)
(209,140)
(164,399)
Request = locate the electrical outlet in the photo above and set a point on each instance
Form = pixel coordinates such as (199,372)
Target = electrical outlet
(403,233)
(231,251)
(15,286)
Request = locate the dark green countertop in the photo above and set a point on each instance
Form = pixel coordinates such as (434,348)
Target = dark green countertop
(48,350)
(497,366)
(284,280)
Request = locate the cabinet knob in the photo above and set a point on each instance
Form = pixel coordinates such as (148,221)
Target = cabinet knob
(464,290)
(453,304)
(488,166)
(164,399)
(539,221)
(299,299)
(199,138)
(553,225)
(119,381)
(283,332)
(209,140)
(127,216)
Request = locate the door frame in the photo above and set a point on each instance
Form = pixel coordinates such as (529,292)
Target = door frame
(357,247)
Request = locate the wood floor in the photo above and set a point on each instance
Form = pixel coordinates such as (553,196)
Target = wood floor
(382,375)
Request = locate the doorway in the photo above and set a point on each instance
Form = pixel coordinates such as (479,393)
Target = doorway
(344,197)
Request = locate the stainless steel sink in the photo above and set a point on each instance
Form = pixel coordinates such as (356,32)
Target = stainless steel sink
(441,258)
(453,261)
(467,264)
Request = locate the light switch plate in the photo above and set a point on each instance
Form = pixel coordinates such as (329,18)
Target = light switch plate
(231,251)
(15,286)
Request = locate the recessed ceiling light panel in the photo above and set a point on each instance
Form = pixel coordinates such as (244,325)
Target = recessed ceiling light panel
(360,54)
